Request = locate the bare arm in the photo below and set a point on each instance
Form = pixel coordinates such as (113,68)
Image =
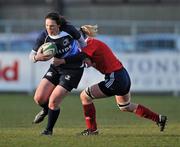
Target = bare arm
(39,56)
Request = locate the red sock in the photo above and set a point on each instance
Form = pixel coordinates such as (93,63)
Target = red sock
(90,116)
(146,113)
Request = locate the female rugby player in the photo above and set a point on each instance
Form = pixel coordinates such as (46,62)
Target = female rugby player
(117,82)
(58,80)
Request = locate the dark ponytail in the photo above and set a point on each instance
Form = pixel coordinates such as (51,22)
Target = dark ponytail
(60,20)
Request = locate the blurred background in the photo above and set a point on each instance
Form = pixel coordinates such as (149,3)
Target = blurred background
(143,34)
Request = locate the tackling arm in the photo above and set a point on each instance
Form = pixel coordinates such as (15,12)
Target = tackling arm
(76,58)
(81,57)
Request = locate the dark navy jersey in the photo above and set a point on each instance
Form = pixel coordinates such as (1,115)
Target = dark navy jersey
(66,41)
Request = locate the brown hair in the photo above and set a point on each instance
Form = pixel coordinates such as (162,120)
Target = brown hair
(60,20)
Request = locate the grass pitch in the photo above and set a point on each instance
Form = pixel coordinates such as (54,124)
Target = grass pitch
(117,129)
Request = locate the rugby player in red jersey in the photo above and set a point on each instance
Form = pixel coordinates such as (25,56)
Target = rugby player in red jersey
(117,82)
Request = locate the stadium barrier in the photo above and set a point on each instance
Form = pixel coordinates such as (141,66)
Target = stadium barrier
(150,72)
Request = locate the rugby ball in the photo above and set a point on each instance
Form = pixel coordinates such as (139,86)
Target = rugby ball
(49,48)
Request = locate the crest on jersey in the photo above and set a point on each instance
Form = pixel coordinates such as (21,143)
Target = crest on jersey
(66,42)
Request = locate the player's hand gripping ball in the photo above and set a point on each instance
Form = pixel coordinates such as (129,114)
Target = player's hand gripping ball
(49,48)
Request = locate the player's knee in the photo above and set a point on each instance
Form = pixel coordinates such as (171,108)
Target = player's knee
(125,106)
(86,95)
(40,98)
(83,95)
(53,105)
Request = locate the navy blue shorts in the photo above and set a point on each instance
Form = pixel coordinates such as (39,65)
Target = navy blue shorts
(116,83)
(67,78)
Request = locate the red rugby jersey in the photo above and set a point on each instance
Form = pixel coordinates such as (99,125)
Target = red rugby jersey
(102,56)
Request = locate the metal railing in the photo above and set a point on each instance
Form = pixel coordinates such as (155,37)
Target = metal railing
(114,27)
(114,30)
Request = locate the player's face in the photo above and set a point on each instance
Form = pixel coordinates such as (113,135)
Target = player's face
(51,27)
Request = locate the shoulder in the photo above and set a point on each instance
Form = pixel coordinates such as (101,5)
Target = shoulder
(91,40)
(42,35)
(70,29)
(40,39)
(95,41)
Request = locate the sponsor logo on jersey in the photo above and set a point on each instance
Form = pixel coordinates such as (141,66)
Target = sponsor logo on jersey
(49,74)
(67,77)
(65,50)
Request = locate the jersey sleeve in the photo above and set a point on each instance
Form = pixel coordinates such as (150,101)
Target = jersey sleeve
(40,40)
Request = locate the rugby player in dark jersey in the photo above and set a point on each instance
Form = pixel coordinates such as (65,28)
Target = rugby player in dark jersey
(117,82)
(58,80)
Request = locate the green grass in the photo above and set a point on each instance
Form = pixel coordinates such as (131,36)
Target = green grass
(117,129)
